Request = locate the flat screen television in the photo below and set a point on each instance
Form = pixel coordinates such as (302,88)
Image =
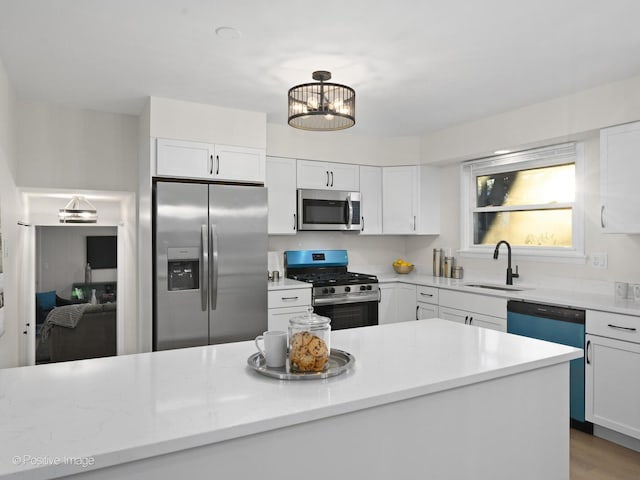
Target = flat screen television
(102,252)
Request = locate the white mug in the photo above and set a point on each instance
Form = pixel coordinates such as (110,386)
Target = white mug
(275,347)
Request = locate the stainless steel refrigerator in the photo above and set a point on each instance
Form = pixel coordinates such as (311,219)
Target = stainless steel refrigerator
(210,268)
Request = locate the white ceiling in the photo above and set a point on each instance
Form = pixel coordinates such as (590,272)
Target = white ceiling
(416,65)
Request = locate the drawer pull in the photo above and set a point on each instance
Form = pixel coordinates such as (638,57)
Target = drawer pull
(289,299)
(628,329)
(426,294)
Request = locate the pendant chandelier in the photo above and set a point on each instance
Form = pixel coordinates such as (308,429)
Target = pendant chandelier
(322,106)
(78,210)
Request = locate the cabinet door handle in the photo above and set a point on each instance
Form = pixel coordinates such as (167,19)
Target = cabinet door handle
(627,329)
(470,320)
(379,295)
(217,164)
(294,222)
(362,219)
(466,319)
(426,294)
(332,179)
(414,223)
(210,168)
(327,179)
(586,354)
(417,310)
(602,216)
(289,299)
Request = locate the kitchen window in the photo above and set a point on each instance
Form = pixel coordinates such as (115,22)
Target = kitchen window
(531,199)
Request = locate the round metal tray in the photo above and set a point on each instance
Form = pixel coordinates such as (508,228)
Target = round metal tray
(339,362)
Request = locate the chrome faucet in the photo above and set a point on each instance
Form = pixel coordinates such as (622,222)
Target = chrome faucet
(510,274)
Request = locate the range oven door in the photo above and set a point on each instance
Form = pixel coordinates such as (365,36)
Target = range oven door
(328,210)
(349,315)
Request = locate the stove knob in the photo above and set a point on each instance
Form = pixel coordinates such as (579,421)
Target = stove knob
(347,289)
(368,287)
(362,287)
(332,290)
(325,290)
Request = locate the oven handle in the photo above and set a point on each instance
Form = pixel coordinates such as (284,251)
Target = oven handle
(341,301)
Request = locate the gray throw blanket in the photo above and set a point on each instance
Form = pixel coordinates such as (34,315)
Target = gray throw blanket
(65,316)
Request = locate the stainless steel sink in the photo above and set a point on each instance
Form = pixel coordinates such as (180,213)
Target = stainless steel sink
(493,286)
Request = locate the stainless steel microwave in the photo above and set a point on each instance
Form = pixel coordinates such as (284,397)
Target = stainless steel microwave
(328,210)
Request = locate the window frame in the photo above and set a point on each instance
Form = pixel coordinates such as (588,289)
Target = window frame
(524,160)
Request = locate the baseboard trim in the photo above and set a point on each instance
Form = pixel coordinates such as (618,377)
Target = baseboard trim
(616,437)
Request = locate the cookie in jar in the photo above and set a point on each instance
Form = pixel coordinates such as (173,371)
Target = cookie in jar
(309,343)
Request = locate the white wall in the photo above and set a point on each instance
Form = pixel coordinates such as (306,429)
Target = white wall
(206,123)
(578,116)
(367,254)
(9,205)
(285,141)
(69,148)
(61,257)
(544,123)
(144,250)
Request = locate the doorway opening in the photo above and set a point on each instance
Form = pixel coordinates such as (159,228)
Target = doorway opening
(76,275)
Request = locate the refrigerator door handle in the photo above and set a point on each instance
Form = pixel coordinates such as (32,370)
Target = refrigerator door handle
(214,267)
(204,268)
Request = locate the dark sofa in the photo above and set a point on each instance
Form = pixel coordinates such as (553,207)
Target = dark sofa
(94,335)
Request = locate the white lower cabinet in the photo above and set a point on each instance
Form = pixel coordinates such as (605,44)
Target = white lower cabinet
(406,306)
(612,372)
(472,309)
(397,303)
(286,304)
(387,305)
(426,302)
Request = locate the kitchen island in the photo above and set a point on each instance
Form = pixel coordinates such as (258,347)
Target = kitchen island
(429,398)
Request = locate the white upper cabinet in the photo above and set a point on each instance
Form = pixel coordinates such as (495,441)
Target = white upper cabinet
(399,200)
(411,200)
(328,176)
(281,188)
(371,200)
(203,161)
(239,164)
(619,173)
(177,158)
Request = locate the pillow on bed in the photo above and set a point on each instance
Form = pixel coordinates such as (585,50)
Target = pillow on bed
(46,300)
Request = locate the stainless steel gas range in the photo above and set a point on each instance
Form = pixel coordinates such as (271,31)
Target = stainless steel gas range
(349,299)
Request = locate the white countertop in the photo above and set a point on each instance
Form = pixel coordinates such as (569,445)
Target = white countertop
(567,298)
(287,284)
(119,409)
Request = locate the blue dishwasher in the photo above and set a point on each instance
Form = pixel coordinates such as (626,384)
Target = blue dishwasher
(559,325)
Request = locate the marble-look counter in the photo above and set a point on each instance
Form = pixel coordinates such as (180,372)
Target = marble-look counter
(109,411)
(565,298)
(286,284)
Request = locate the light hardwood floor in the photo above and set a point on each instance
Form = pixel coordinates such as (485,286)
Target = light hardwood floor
(594,458)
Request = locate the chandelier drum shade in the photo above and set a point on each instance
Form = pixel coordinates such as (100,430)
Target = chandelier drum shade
(322,106)
(78,210)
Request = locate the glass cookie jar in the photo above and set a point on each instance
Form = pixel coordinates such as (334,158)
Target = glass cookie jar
(309,343)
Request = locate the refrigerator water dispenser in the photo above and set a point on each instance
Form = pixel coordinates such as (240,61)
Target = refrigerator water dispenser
(183,269)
